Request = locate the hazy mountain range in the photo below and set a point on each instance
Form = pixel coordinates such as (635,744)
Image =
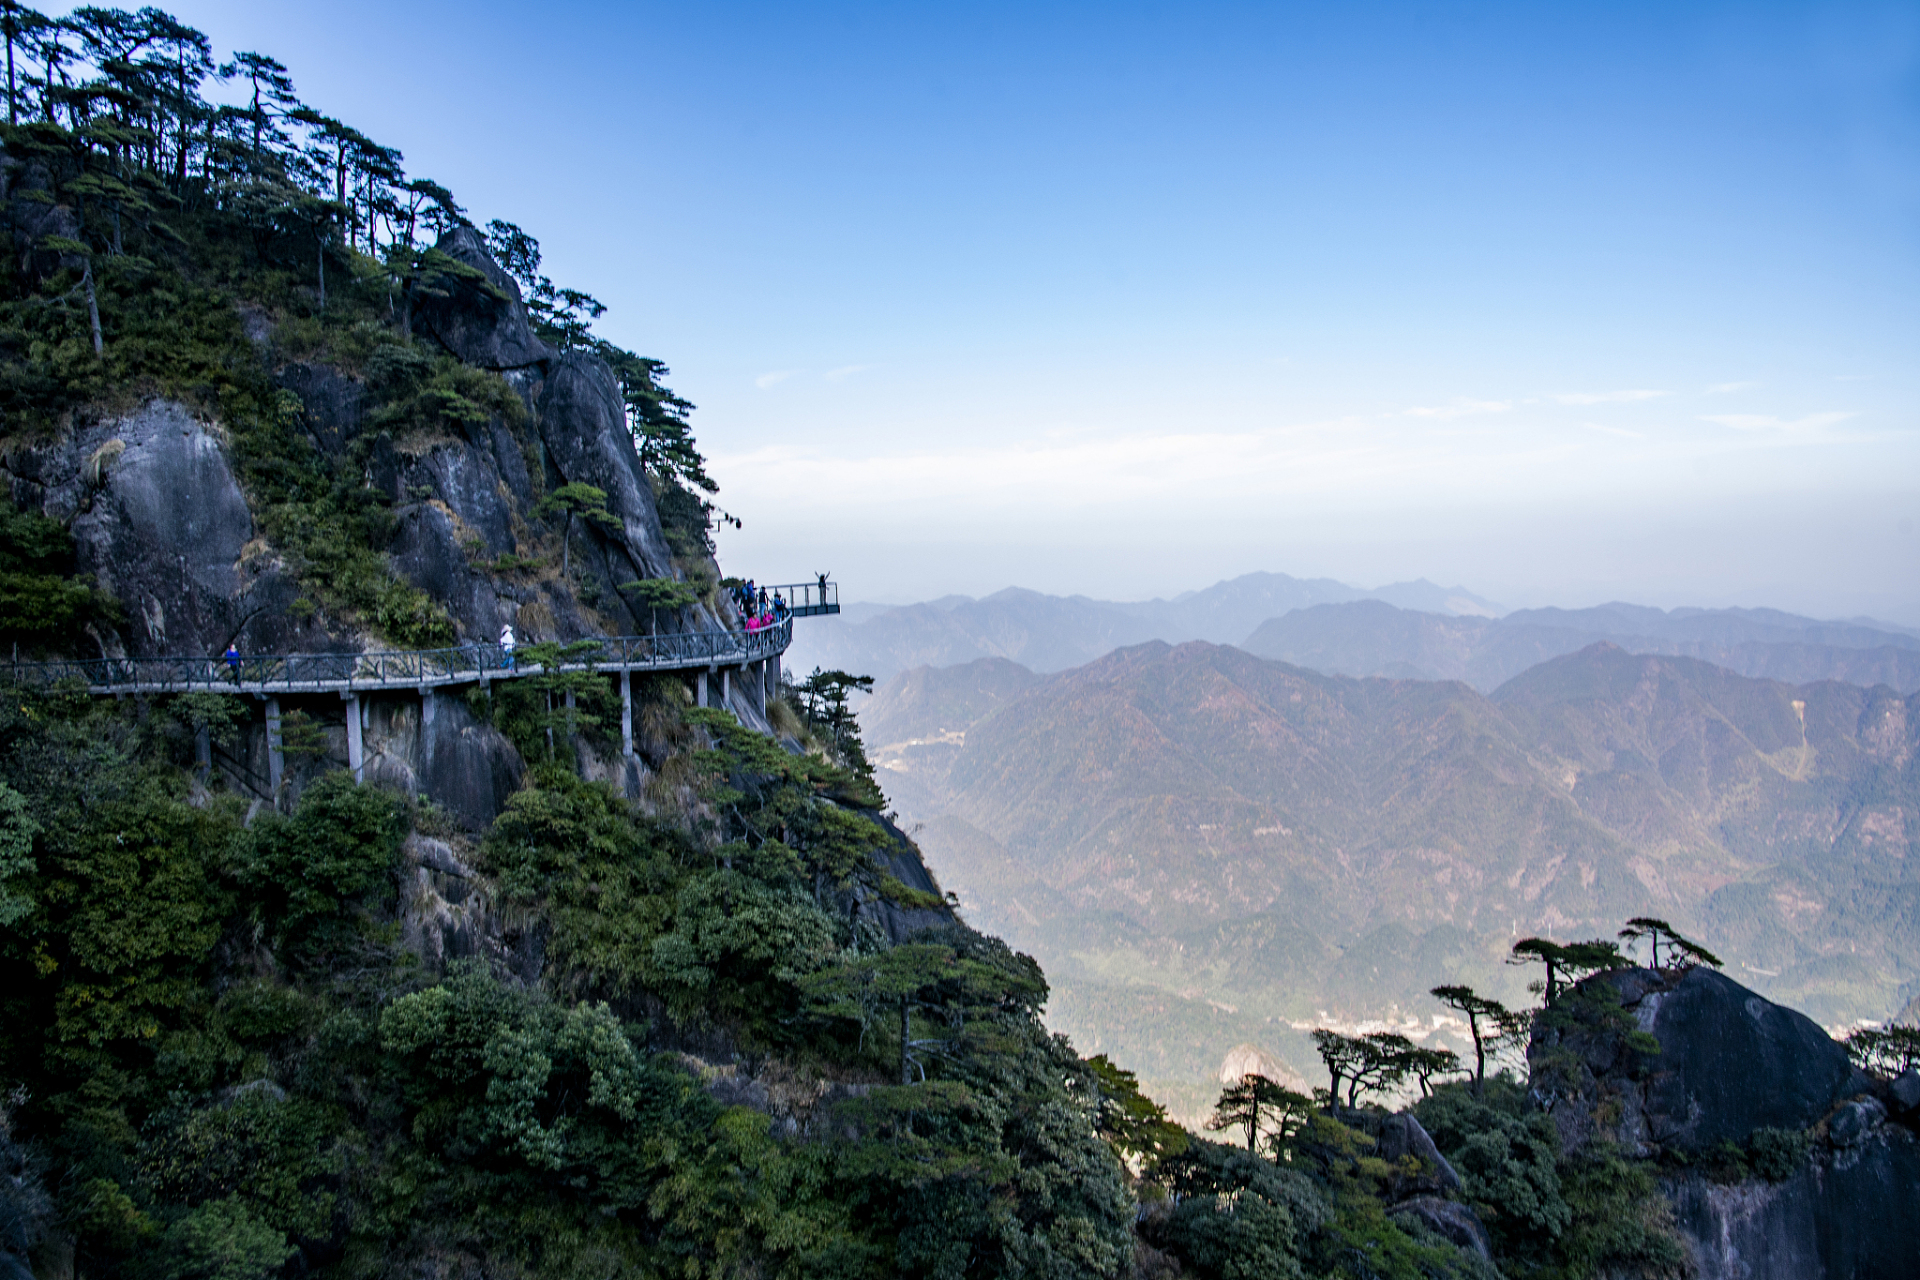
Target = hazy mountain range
(1206,848)
(1372,638)
(1052,633)
(1409,630)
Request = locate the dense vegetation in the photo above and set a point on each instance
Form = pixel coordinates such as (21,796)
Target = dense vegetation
(224,1060)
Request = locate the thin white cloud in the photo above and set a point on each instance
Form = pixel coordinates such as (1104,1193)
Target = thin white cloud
(1622,432)
(845,371)
(1782,426)
(1606,397)
(1721,388)
(1461,408)
(766,380)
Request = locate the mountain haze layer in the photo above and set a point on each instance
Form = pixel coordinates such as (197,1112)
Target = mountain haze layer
(1373,638)
(1411,630)
(1052,633)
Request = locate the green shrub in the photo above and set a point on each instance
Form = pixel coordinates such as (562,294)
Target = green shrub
(1506,1153)
(1777,1154)
(224,1240)
(340,848)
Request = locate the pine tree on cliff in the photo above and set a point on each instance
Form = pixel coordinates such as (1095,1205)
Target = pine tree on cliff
(575,500)
(1491,1024)
(272,94)
(1682,951)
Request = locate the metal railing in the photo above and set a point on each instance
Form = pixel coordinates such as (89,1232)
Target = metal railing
(804,599)
(417,668)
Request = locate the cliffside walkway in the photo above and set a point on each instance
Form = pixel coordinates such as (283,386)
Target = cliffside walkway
(422,672)
(418,669)
(423,669)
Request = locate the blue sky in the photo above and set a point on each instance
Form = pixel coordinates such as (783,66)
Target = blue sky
(1564,302)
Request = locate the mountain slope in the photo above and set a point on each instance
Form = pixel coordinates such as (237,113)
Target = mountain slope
(1198,825)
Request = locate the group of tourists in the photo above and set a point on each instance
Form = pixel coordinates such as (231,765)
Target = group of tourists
(758,607)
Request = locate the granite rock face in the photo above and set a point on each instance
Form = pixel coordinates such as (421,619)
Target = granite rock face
(1730,1063)
(1849,1214)
(483,327)
(159,519)
(583,423)
(1452,1221)
(902,862)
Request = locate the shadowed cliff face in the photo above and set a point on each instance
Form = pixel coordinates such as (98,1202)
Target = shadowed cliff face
(1731,1067)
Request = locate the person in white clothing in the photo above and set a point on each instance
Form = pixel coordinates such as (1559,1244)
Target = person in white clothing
(506,645)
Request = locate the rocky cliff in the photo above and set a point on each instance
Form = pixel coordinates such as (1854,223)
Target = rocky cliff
(1782,1160)
(185,517)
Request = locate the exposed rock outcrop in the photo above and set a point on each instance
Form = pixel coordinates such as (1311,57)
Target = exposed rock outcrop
(447,913)
(583,422)
(1732,1064)
(483,327)
(159,519)
(902,862)
(1848,1213)
(1452,1221)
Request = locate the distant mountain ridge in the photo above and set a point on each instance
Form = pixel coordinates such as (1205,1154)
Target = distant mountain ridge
(1053,633)
(1408,630)
(1373,638)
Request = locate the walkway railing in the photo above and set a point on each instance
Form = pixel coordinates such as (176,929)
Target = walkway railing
(805,599)
(405,669)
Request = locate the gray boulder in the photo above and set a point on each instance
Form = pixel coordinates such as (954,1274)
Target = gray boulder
(1732,1061)
(485,328)
(1903,1095)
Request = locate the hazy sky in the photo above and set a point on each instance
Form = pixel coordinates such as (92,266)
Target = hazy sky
(1563,302)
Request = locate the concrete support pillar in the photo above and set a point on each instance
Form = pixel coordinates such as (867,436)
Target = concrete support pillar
(355,759)
(773,686)
(626,712)
(276,753)
(427,709)
(726,685)
(762,682)
(700,689)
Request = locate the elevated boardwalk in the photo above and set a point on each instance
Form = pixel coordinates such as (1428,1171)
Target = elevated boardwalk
(419,669)
(423,672)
